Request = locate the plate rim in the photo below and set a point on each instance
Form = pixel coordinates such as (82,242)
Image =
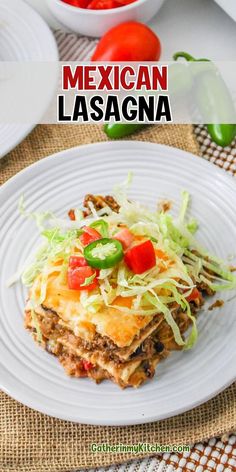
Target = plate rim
(119,143)
(145,420)
(33,403)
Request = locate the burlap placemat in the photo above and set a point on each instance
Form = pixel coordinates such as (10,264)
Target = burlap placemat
(32,442)
(47,139)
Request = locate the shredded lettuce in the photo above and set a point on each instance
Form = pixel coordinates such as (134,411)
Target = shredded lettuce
(57,248)
(101,251)
(89,280)
(39,218)
(157,290)
(91,303)
(192,226)
(93,210)
(78,214)
(120,191)
(154,300)
(184,205)
(105,273)
(192,339)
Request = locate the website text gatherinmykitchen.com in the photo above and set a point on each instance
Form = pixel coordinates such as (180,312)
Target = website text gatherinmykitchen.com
(139,448)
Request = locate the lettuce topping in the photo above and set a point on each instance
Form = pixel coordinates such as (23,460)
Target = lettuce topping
(181,262)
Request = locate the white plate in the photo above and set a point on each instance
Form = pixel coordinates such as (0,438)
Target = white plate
(58,183)
(24,36)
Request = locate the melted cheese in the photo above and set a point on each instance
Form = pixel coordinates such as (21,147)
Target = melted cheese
(120,327)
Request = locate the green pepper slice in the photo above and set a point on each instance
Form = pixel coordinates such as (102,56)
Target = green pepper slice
(213,95)
(102,227)
(104,253)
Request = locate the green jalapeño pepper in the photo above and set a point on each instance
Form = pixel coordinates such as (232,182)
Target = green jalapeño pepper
(180,80)
(102,227)
(213,95)
(121,130)
(104,253)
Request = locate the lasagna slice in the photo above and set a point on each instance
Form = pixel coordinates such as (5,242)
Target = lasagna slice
(112,296)
(105,345)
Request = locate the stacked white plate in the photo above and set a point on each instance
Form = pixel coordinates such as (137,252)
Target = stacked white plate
(24,36)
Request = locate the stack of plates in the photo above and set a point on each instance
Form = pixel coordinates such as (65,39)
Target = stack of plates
(24,36)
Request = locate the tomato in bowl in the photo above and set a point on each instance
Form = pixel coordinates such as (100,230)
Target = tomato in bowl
(98,4)
(96,22)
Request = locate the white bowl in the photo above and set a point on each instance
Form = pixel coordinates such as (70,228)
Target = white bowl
(97,22)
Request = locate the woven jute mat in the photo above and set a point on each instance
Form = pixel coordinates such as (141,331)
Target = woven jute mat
(32,442)
(48,139)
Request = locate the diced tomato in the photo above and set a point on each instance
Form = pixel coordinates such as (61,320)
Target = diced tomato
(89,235)
(98,4)
(77,261)
(85,239)
(87,365)
(78,3)
(141,257)
(77,277)
(102,4)
(125,2)
(92,232)
(125,237)
(71,214)
(193,295)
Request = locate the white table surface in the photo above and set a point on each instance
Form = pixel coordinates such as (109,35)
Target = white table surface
(200,27)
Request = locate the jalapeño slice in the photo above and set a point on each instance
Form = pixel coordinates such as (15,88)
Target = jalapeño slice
(104,253)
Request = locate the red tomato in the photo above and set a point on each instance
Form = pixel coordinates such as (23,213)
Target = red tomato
(77,276)
(125,2)
(87,365)
(102,5)
(193,295)
(128,42)
(89,235)
(76,261)
(141,257)
(125,237)
(77,3)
